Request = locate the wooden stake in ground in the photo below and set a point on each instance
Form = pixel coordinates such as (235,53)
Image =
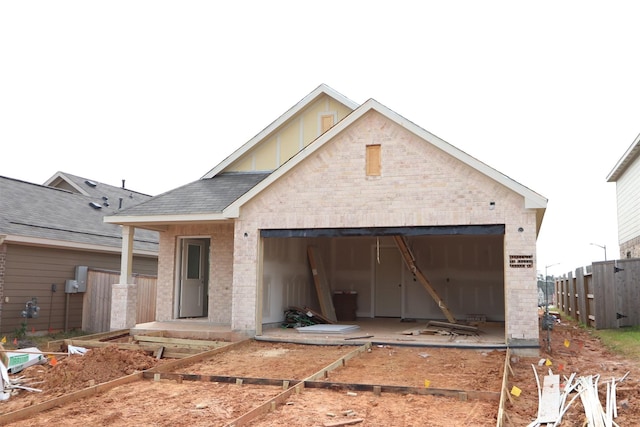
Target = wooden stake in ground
(344,423)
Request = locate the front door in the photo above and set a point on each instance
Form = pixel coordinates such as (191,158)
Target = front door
(192,278)
(388,282)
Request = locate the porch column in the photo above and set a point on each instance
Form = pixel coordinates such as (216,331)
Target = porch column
(124,294)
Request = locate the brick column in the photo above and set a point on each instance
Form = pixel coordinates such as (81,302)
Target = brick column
(123,306)
(124,295)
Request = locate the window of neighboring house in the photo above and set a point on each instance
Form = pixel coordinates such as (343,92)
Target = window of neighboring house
(326,121)
(373,160)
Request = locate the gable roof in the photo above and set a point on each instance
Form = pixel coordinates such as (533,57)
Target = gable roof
(632,153)
(97,190)
(532,199)
(47,216)
(321,90)
(159,213)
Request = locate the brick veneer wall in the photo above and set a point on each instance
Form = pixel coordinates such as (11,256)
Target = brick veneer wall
(419,185)
(220,272)
(630,248)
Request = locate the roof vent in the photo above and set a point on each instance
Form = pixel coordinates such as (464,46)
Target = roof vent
(90,183)
(95,205)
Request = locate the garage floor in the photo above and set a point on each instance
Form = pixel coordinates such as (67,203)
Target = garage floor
(390,331)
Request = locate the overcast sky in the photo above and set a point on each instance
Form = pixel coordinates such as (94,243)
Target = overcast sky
(159,92)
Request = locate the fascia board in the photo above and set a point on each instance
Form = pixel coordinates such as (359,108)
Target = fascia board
(533,200)
(628,157)
(322,89)
(164,219)
(62,244)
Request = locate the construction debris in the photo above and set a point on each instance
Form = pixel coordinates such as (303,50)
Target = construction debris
(16,361)
(434,327)
(72,349)
(553,405)
(296,317)
(9,386)
(344,423)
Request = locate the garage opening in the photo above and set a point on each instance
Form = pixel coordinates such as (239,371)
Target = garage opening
(464,265)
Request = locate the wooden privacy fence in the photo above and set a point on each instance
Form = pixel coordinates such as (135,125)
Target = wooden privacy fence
(96,305)
(605,295)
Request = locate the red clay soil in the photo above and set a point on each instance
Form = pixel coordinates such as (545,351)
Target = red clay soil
(258,359)
(201,403)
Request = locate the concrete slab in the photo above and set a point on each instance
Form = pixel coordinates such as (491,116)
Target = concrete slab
(378,330)
(390,331)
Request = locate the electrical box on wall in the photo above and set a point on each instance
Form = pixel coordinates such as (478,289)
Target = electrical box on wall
(71,286)
(82,272)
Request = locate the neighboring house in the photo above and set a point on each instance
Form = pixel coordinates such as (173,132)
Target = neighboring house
(46,231)
(626,175)
(342,178)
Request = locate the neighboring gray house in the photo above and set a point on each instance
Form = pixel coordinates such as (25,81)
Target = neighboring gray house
(345,180)
(48,230)
(626,175)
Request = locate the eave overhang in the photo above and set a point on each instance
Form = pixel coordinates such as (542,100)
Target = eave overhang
(62,244)
(632,153)
(162,222)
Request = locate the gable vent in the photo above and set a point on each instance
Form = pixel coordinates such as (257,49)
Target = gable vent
(95,205)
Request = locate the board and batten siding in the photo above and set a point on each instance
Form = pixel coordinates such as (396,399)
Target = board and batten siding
(628,200)
(30,271)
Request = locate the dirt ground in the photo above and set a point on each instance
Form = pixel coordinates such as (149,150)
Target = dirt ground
(203,403)
(575,350)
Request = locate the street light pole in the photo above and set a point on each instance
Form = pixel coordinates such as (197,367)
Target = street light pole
(546,283)
(603,247)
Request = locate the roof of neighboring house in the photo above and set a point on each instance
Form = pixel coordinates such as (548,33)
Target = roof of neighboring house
(152,212)
(47,216)
(97,190)
(632,153)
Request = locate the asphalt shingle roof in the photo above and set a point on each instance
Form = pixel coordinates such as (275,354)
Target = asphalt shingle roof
(38,211)
(210,195)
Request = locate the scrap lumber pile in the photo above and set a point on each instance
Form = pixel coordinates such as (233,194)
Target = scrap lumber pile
(443,328)
(554,400)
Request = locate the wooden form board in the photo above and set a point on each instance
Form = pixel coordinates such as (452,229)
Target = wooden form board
(410,261)
(322,286)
